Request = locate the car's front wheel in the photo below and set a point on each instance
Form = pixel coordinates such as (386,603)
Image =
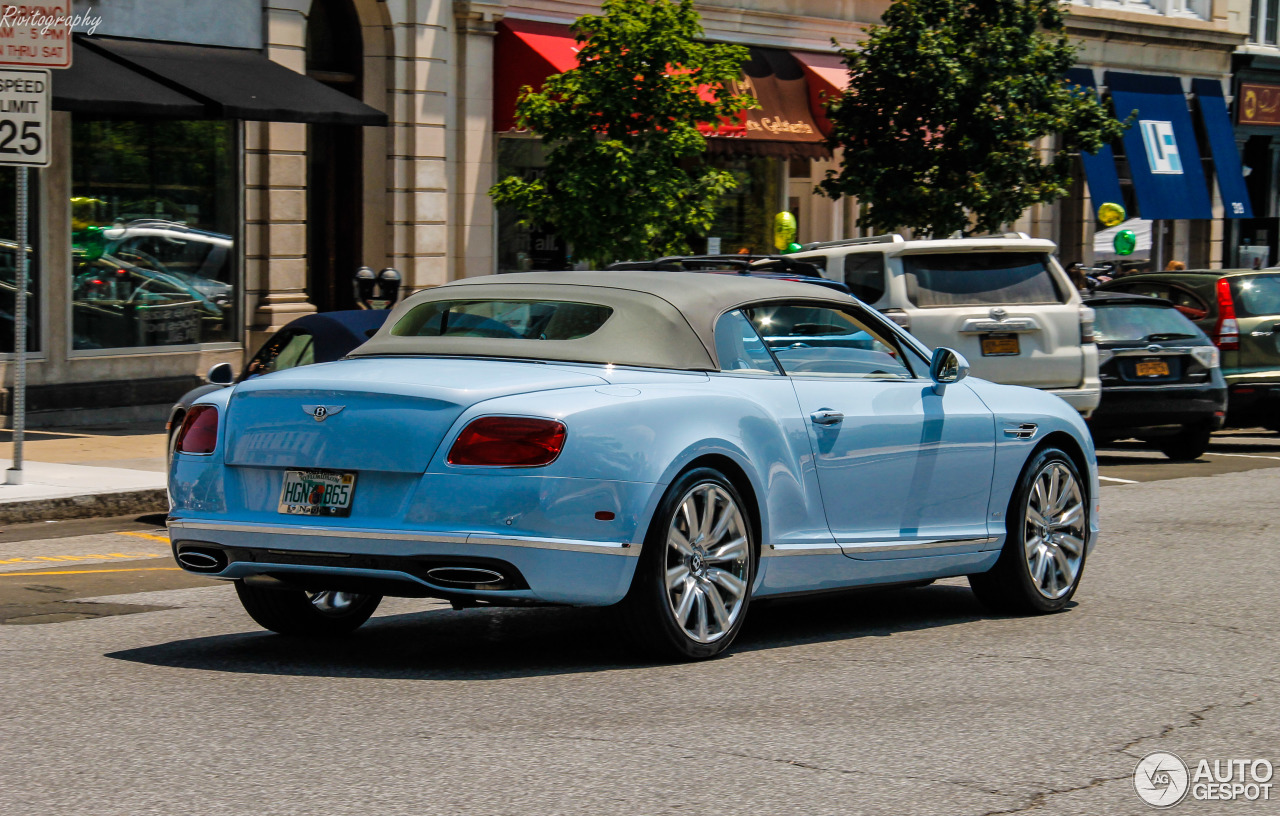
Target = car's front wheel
(690,593)
(306,614)
(1043,558)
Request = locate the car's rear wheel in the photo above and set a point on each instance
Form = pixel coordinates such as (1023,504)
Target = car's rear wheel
(306,614)
(692,587)
(1189,443)
(1043,558)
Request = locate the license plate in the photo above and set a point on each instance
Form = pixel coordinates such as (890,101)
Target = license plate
(1152,368)
(317,493)
(1000,345)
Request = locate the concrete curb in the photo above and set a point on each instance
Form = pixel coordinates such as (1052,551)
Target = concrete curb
(93,505)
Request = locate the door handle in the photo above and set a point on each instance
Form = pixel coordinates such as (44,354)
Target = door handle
(826,416)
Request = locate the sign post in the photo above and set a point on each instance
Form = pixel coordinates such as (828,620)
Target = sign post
(34,38)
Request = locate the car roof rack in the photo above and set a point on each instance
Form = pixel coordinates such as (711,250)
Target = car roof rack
(890,238)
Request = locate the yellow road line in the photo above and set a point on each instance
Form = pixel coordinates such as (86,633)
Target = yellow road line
(151,536)
(43,559)
(89,572)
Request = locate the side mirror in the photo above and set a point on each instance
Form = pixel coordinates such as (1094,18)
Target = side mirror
(947,367)
(221,374)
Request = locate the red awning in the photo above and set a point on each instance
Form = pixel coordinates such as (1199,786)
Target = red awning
(526,53)
(827,77)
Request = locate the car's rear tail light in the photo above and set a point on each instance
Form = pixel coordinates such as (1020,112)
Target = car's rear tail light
(898,316)
(508,442)
(1207,356)
(199,431)
(1087,317)
(1227,333)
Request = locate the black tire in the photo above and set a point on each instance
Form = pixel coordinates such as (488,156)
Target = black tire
(298,613)
(1009,586)
(649,611)
(1187,444)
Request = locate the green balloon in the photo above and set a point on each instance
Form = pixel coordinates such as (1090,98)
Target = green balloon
(1125,242)
(793,247)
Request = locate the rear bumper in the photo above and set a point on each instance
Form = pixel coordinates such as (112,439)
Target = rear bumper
(397,563)
(1160,406)
(1253,403)
(1084,398)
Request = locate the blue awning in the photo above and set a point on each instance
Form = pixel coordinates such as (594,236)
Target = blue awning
(1100,167)
(1164,159)
(1222,143)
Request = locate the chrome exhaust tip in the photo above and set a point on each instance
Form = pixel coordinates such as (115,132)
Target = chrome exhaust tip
(466,577)
(202,560)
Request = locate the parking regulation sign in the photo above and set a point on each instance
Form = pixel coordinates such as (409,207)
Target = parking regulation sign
(24,117)
(37,36)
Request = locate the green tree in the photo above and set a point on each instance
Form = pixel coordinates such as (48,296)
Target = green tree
(624,176)
(945,106)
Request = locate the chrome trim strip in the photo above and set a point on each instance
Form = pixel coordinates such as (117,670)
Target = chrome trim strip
(1201,385)
(804,548)
(931,544)
(571,545)
(1160,351)
(1011,326)
(1024,431)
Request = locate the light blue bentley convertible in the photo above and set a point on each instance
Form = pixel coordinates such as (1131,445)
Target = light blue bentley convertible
(672,443)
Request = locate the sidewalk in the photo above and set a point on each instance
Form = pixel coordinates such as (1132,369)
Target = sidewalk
(85,473)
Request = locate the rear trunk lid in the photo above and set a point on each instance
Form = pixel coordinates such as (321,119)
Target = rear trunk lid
(1010,313)
(371,414)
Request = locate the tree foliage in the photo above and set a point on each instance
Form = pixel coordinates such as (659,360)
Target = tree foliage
(945,104)
(624,179)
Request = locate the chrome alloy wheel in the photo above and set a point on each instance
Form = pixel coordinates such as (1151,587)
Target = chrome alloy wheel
(1054,532)
(330,602)
(708,562)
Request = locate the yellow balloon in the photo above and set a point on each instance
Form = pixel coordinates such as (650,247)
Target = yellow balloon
(1111,214)
(784,230)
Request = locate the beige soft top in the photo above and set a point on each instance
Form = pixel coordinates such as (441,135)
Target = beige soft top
(659,320)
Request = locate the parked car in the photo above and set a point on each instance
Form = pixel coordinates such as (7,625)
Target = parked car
(1240,311)
(313,338)
(672,443)
(200,258)
(768,267)
(116,303)
(1161,380)
(1002,302)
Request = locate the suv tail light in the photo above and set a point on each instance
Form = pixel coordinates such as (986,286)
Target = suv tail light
(199,431)
(508,442)
(1087,316)
(1227,333)
(898,316)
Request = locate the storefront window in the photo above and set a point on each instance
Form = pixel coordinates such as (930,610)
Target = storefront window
(522,248)
(153,214)
(9,260)
(744,217)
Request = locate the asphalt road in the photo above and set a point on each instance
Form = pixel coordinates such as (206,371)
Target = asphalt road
(893,702)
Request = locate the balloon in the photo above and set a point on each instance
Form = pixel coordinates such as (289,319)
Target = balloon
(784,230)
(1111,214)
(1125,242)
(793,247)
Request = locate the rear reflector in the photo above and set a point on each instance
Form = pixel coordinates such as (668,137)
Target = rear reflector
(508,442)
(199,431)
(1227,333)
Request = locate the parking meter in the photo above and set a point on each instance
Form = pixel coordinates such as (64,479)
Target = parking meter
(389,285)
(364,282)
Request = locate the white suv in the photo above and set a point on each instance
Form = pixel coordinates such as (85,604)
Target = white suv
(1002,302)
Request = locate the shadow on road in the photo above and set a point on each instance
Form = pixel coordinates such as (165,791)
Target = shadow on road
(487,644)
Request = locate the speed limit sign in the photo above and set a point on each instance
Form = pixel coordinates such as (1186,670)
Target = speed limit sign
(24,117)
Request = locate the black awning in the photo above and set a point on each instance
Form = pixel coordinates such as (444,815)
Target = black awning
(95,84)
(235,83)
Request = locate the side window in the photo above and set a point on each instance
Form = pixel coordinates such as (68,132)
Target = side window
(740,349)
(825,341)
(864,275)
(289,350)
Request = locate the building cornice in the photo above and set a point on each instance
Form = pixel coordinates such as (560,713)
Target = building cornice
(1152,30)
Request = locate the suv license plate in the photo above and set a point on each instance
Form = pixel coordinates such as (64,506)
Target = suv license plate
(1000,345)
(317,493)
(1152,368)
